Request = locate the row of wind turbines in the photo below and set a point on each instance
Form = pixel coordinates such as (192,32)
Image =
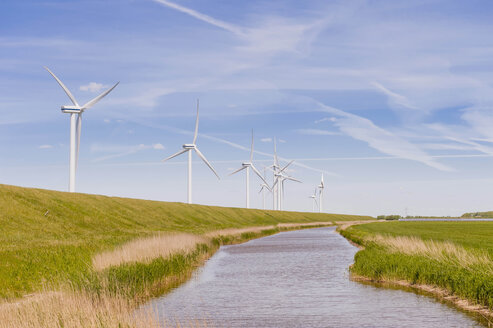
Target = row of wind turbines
(278,172)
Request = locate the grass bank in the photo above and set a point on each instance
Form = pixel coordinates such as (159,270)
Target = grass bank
(450,259)
(56,247)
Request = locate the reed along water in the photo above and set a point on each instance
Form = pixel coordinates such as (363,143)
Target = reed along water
(296,279)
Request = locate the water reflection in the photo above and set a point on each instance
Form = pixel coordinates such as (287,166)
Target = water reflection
(297,279)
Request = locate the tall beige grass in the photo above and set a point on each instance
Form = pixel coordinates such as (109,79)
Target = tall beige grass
(149,248)
(443,251)
(73,309)
(237,231)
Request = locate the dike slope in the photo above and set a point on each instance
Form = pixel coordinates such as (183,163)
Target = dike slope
(48,238)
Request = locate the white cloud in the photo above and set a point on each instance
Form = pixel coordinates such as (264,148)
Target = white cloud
(395,99)
(317,132)
(266,139)
(106,120)
(326,119)
(116,151)
(92,87)
(273,35)
(380,139)
(45,147)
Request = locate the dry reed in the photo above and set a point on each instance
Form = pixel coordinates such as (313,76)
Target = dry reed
(237,231)
(145,250)
(73,309)
(443,251)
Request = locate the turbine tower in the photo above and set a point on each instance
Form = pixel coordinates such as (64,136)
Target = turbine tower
(247,166)
(321,194)
(314,197)
(75,112)
(188,148)
(275,168)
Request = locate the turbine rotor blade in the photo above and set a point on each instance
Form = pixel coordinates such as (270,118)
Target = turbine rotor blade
(92,102)
(276,161)
(292,179)
(258,173)
(174,155)
(275,183)
(67,91)
(195,134)
(251,149)
(285,167)
(206,161)
(240,169)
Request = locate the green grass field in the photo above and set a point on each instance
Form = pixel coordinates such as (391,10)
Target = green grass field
(455,256)
(48,237)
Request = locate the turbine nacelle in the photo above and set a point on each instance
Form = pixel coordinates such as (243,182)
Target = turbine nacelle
(71,109)
(189,146)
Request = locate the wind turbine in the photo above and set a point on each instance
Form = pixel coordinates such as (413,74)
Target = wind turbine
(188,148)
(264,186)
(75,112)
(314,197)
(275,167)
(321,194)
(280,178)
(247,166)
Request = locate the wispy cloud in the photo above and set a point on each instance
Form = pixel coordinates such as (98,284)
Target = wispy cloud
(45,147)
(395,99)
(317,132)
(380,139)
(93,87)
(120,150)
(266,139)
(272,35)
(205,18)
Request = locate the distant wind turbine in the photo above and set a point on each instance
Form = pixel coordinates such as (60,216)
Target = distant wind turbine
(278,180)
(247,166)
(314,197)
(321,186)
(281,177)
(75,112)
(264,186)
(188,148)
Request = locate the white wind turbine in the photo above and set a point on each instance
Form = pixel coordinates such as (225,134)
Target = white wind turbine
(264,186)
(321,194)
(247,166)
(75,112)
(314,197)
(275,168)
(188,148)
(280,179)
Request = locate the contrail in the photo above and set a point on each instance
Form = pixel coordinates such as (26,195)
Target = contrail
(208,19)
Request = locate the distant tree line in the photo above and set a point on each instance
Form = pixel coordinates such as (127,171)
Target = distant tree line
(389,217)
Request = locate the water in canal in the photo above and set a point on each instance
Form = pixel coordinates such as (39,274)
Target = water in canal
(296,279)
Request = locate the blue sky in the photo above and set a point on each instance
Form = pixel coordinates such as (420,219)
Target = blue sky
(391,100)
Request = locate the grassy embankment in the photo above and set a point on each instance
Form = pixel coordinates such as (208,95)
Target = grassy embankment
(456,257)
(100,252)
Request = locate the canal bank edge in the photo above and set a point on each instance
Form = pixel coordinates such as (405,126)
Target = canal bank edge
(438,292)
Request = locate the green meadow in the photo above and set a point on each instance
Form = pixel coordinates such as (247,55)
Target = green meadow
(455,256)
(48,237)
